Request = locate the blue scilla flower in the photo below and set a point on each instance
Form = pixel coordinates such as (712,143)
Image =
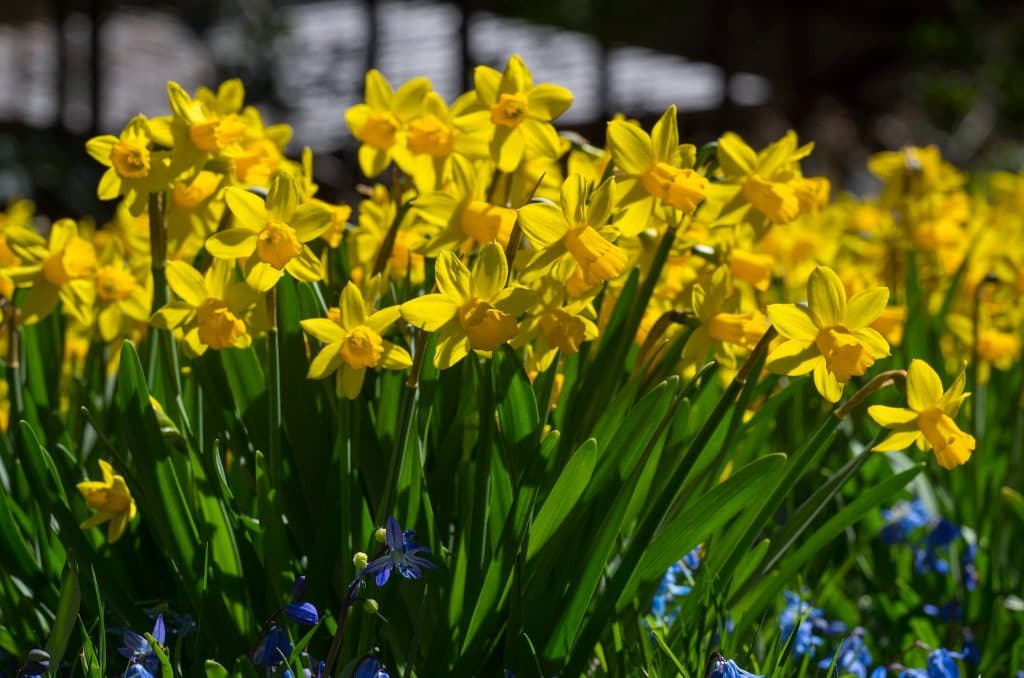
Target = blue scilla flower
(403,555)
(806,625)
(928,558)
(903,519)
(370,667)
(727,668)
(941,664)
(970,571)
(273,649)
(300,611)
(946,612)
(853,657)
(676,583)
(139,653)
(36,664)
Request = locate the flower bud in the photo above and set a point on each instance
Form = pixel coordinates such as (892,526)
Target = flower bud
(370,606)
(360,560)
(381,535)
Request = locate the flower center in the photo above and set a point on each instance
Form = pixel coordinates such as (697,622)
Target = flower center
(216,135)
(563,330)
(744,329)
(485,222)
(486,326)
(114,283)
(599,259)
(510,110)
(190,196)
(218,326)
(130,159)
(76,260)
(952,446)
(845,356)
(379,130)
(277,244)
(777,201)
(361,347)
(108,499)
(683,189)
(427,134)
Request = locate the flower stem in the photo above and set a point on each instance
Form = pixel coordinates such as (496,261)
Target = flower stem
(879,381)
(274,393)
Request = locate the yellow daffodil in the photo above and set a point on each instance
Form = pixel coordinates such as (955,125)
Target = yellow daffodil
(228,98)
(260,155)
(656,170)
(555,323)
(769,182)
(474,310)
(462,217)
(111,500)
(124,294)
(58,269)
(17,215)
(353,342)
(272,235)
(135,169)
(376,215)
(520,113)
(199,131)
(752,267)
(576,229)
(723,328)
(193,212)
(929,418)
(913,171)
(831,337)
(213,309)
(435,135)
(380,123)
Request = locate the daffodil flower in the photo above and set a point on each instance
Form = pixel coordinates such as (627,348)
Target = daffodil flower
(768,182)
(556,323)
(577,229)
(272,235)
(193,211)
(436,135)
(474,310)
(831,337)
(353,342)
(111,500)
(340,213)
(18,215)
(520,113)
(380,122)
(135,170)
(59,269)
(929,418)
(199,131)
(656,170)
(462,216)
(376,215)
(723,326)
(212,310)
(124,294)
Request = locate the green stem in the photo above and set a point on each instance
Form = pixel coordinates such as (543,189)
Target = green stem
(275,462)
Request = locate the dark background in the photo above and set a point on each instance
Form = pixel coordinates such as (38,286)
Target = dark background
(855,76)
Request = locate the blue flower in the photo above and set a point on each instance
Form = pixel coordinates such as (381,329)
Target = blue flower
(370,667)
(726,668)
(273,649)
(946,612)
(970,572)
(806,625)
(299,611)
(37,663)
(941,664)
(403,555)
(139,653)
(902,520)
(675,583)
(853,657)
(928,559)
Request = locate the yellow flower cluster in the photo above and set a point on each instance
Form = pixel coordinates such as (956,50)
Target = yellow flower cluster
(528,238)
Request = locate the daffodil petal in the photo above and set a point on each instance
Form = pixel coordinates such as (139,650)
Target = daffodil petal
(864,307)
(453,278)
(394,357)
(924,388)
(898,440)
(248,209)
(543,224)
(451,348)
(429,312)
(323,329)
(891,416)
(794,358)
(232,243)
(326,361)
(351,381)
(490,272)
(186,282)
(792,322)
(630,147)
(827,384)
(826,298)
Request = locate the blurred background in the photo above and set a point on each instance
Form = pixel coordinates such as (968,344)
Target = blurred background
(855,76)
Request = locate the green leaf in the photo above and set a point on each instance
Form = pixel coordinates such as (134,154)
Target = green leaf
(67,615)
(215,670)
(571,484)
